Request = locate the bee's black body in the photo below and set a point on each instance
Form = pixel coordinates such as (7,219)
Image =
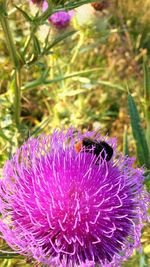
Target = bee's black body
(99,147)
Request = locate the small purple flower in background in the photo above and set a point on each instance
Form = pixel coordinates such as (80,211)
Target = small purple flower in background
(59,19)
(65,208)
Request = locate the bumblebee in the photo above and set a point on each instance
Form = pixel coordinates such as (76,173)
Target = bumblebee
(100,148)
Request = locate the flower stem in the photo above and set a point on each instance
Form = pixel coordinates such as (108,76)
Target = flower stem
(17,98)
(9,38)
(15,60)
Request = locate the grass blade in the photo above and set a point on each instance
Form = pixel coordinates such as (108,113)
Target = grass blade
(138,134)
(125,142)
(147,102)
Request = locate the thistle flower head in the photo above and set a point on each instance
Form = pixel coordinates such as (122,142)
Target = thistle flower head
(65,208)
(59,19)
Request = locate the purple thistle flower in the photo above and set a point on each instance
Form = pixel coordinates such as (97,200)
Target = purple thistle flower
(59,19)
(63,209)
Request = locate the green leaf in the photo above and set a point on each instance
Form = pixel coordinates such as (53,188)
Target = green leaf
(58,39)
(125,142)
(147,102)
(146,83)
(138,134)
(26,16)
(37,48)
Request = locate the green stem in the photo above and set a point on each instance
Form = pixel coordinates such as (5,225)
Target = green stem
(9,40)
(17,98)
(14,57)
(42,80)
(29,38)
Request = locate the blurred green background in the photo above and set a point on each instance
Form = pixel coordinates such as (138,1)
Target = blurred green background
(82,78)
